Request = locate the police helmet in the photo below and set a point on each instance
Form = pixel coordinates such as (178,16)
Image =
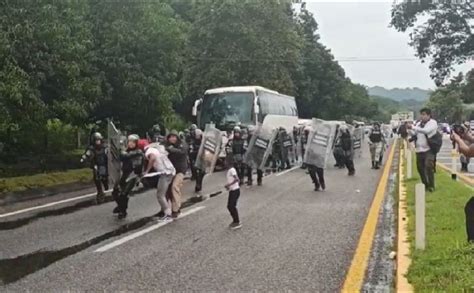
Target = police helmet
(156,128)
(133,137)
(198,132)
(97,136)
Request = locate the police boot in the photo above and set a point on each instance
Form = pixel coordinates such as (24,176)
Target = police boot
(100,198)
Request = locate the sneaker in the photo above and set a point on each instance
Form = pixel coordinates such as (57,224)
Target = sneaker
(122,215)
(235,226)
(160,214)
(116,210)
(316,188)
(165,218)
(249,183)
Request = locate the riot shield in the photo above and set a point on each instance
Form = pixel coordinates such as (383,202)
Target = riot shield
(320,143)
(358,137)
(290,146)
(260,146)
(113,157)
(209,150)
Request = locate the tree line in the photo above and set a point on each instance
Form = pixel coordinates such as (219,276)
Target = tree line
(66,64)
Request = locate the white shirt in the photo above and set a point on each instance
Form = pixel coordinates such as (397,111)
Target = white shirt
(162,164)
(231,175)
(429,130)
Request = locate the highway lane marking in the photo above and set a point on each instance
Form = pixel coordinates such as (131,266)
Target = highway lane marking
(145,231)
(356,274)
(287,171)
(55,203)
(49,205)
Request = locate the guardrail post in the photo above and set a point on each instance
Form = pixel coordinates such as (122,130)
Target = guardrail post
(420,216)
(454,169)
(409,164)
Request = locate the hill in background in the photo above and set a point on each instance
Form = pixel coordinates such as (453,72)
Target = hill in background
(397,94)
(387,107)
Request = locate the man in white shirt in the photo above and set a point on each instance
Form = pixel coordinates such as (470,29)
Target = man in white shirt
(158,160)
(425,128)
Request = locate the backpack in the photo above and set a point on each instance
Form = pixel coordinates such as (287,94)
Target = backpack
(435,142)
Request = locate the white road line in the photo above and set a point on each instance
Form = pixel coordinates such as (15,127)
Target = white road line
(145,231)
(49,205)
(83,197)
(287,171)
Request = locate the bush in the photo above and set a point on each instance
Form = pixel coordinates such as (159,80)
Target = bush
(44,180)
(61,137)
(175,122)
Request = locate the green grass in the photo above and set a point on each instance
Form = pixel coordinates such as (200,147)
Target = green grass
(44,180)
(447,263)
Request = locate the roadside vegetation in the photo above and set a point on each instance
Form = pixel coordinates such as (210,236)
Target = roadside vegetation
(447,263)
(15,184)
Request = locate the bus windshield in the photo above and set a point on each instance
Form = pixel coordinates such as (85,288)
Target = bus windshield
(227,108)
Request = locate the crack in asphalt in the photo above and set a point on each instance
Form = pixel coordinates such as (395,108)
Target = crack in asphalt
(14,269)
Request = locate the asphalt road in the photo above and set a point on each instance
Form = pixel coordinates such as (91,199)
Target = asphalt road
(292,238)
(444,157)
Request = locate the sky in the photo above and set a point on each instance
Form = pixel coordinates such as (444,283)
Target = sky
(360,30)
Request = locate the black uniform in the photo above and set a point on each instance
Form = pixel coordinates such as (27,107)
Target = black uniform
(338,153)
(198,174)
(304,140)
(347,145)
(249,169)
(97,155)
(285,145)
(317,175)
(238,152)
(132,169)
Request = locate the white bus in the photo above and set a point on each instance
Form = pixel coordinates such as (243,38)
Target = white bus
(245,106)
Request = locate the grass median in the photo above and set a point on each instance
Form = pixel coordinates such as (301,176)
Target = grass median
(447,263)
(22,183)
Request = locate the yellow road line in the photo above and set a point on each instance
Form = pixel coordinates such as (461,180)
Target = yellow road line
(403,247)
(356,274)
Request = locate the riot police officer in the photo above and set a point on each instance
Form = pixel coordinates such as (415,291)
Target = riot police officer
(238,151)
(286,145)
(347,145)
(157,134)
(304,141)
(97,153)
(249,168)
(193,152)
(132,169)
(338,152)
(376,140)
